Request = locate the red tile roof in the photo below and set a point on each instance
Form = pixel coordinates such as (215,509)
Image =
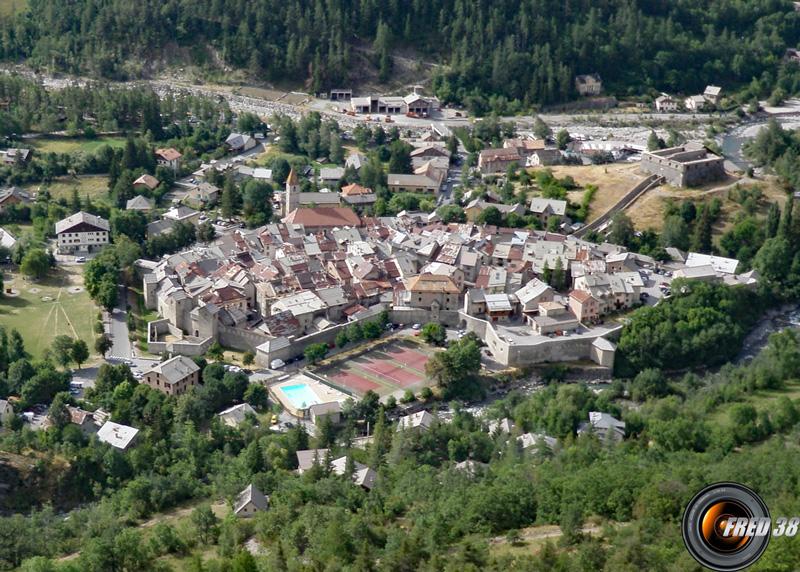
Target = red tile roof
(169,154)
(580,295)
(354,190)
(323,217)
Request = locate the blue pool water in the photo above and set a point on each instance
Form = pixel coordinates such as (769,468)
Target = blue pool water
(300,395)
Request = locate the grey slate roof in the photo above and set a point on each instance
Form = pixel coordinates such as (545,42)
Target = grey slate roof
(248,495)
(81,218)
(139,203)
(175,369)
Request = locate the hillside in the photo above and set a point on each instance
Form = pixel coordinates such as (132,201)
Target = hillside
(525,50)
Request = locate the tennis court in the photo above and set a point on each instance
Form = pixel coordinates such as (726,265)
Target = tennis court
(392,368)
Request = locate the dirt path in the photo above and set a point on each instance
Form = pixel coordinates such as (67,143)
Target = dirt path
(545,532)
(219,508)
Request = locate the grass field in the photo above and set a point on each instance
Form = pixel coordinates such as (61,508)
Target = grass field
(11,7)
(763,400)
(648,211)
(272,152)
(73,144)
(46,309)
(93,186)
(612,182)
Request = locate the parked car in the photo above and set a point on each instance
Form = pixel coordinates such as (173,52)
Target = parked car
(416,327)
(80,259)
(276,364)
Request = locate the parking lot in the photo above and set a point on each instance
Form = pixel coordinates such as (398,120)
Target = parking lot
(656,286)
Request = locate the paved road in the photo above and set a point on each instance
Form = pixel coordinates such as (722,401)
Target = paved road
(183,185)
(119,328)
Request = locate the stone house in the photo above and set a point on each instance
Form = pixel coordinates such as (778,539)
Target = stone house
(492,161)
(174,376)
(589,84)
(430,291)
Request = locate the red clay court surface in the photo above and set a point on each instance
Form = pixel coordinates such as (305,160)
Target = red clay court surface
(399,366)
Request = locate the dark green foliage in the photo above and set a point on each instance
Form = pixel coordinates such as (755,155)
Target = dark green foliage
(701,238)
(102,344)
(315,352)
(256,395)
(497,53)
(35,264)
(400,159)
(100,277)
(451,213)
(490,215)
(257,201)
(701,324)
(621,230)
(434,333)
(648,383)
(423,514)
(455,370)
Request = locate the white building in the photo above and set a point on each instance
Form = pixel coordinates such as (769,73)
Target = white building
(695,103)
(6,411)
(712,94)
(604,426)
(421,420)
(250,501)
(82,232)
(7,239)
(117,435)
(233,416)
(169,157)
(666,104)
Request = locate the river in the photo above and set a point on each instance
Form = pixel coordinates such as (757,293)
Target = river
(775,320)
(732,141)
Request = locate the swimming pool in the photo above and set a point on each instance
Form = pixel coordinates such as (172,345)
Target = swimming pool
(301,396)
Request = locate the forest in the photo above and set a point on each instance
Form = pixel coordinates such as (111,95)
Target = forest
(423,513)
(495,53)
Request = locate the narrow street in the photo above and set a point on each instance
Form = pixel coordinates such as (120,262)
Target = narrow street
(118,328)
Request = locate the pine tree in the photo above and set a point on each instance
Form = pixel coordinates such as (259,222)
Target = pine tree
(16,346)
(380,440)
(653,142)
(230,199)
(773,220)
(701,239)
(786,221)
(559,278)
(113,172)
(336,154)
(382,47)
(75,201)
(129,154)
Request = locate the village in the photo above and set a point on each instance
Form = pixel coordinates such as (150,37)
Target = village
(405,286)
(325,265)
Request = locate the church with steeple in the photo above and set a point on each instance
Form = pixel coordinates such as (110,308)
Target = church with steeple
(315,211)
(291,199)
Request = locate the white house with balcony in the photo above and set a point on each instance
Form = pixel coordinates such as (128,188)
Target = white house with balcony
(82,233)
